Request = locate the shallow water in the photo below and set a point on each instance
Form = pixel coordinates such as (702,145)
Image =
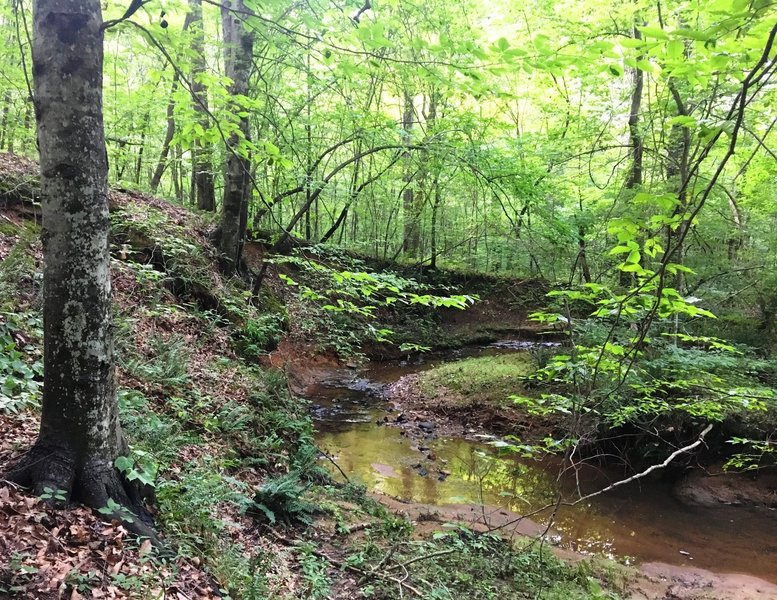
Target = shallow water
(642,521)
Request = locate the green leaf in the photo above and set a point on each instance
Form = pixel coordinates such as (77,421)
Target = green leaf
(654,32)
(683,120)
(124,463)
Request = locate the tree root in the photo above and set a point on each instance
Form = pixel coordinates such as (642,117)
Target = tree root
(54,473)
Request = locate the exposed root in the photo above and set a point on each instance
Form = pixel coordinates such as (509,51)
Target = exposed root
(52,472)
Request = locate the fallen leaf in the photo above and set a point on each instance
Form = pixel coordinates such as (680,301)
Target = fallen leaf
(145,548)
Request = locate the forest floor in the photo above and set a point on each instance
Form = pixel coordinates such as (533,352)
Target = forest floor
(241,499)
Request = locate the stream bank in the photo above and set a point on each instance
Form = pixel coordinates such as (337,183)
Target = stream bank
(435,472)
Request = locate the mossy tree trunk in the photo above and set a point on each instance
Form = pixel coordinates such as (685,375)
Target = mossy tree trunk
(80,436)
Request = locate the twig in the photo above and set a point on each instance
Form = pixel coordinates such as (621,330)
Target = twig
(424,557)
(635,477)
(134,6)
(358,527)
(344,565)
(334,462)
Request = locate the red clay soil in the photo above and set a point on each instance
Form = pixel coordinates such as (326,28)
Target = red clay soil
(302,364)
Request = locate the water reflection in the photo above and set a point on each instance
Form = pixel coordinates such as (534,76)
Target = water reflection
(643,520)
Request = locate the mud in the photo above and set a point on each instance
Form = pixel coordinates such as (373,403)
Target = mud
(714,487)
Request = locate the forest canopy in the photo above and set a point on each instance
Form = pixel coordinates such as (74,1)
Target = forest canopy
(552,139)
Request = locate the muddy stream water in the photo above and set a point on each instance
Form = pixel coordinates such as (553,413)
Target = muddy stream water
(641,522)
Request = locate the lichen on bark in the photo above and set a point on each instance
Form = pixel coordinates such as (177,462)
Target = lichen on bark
(80,436)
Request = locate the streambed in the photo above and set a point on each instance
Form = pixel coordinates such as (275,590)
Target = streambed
(642,522)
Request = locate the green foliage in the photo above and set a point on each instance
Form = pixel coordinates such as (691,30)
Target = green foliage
(17,269)
(261,334)
(115,510)
(139,466)
(489,379)
(281,500)
(341,308)
(757,454)
(192,506)
(314,574)
(167,362)
(52,494)
(627,365)
(486,567)
(21,369)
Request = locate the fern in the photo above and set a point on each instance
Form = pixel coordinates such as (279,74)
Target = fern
(280,499)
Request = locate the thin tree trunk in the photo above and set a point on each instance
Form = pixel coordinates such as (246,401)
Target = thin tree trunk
(676,174)
(410,235)
(161,164)
(27,118)
(4,123)
(634,178)
(139,159)
(435,209)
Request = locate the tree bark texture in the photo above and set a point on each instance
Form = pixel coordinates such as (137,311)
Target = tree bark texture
(80,436)
(203,162)
(238,52)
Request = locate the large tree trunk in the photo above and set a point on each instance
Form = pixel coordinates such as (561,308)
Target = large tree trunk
(238,51)
(79,437)
(202,163)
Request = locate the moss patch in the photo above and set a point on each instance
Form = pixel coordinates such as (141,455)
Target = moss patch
(485,379)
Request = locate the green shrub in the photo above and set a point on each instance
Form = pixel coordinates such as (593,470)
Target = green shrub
(21,369)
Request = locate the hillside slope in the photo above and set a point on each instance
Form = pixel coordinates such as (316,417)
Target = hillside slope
(241,500)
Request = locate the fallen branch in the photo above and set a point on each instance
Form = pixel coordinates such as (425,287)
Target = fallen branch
(332,460)
(667,461)
(419,558)
(357,527)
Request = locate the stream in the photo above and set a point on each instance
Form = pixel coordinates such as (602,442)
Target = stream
(641,522)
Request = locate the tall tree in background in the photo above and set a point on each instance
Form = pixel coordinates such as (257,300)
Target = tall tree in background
(80,436)
(203,174)
(411,237)
(238,54)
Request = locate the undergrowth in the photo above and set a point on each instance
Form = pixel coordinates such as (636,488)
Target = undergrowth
(490,379)
(229,452)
